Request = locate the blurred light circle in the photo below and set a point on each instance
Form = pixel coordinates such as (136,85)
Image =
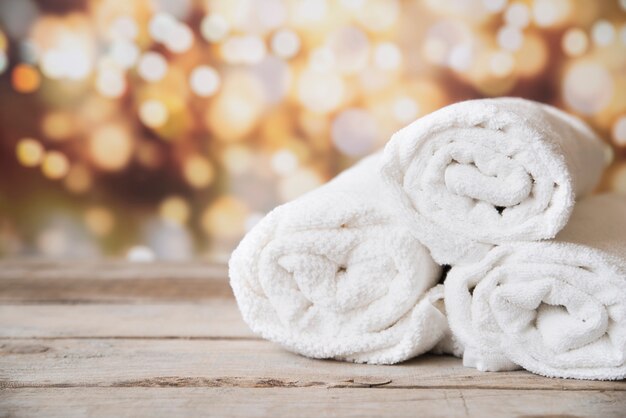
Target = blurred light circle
(52,64)
(180,9)
(588,87)
(55,165)
(140,254)
(494,6)
(237,159)
(274,74)
(180,38)
(111,82)
(214,27)
(124,53)
(204,81)
(244,49)
(619,131)
(388,56)
(320,92)
(350,47)
(68,54)
(405,109)
(510,38)
(198,171)
(110,147)
(501,64)
(271,14)
(225,218)
(284,162)
(321,59)
(575,42)
(548,13)
(602,33)
(152,66)
(378,15)
(29,152)
(124,27)
(622,4)
(4,61)
(285,43)
(461,57)
(162,26)
(441,39)
(236,110)
(99,220)
(174,209)
(153,113)
(58,125)
(354,132)
(306,13)
(518,15)
(25,78)
(78,179)
(298,183)
(532,57)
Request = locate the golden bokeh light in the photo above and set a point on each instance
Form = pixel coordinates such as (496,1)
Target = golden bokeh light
(78,179)
(55,165)
(164,106)
(110,147)
(29,152)
(574,42)
(174,209)
(237,109)
(198,171)
(153,113)
(298,183)
(225,218)
(58,125)
(25,78)
(99,220)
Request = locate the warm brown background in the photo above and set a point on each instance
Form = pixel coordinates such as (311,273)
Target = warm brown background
(166,129)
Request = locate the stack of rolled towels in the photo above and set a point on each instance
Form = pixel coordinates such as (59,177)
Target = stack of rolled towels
(473,233)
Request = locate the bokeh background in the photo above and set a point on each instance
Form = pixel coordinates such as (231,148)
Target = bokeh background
(161,129)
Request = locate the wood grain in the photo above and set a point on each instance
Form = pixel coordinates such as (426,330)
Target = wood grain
(235,363)
(215,318)
(308,402)
(111,282)
(118,339)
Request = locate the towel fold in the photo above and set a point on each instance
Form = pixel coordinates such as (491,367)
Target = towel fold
(485,172)
(556,308)
(334,275)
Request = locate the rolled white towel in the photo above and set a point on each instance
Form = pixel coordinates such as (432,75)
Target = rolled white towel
(333,275)
(556,308)
(485,172)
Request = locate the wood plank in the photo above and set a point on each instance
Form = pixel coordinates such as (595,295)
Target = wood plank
(236,363)
(309,402)
(111,282)
(214,318)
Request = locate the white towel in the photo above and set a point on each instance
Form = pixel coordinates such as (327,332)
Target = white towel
(556,308)
(485,172)
(333,275)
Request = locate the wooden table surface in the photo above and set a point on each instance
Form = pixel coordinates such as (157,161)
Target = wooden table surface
(163,340)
